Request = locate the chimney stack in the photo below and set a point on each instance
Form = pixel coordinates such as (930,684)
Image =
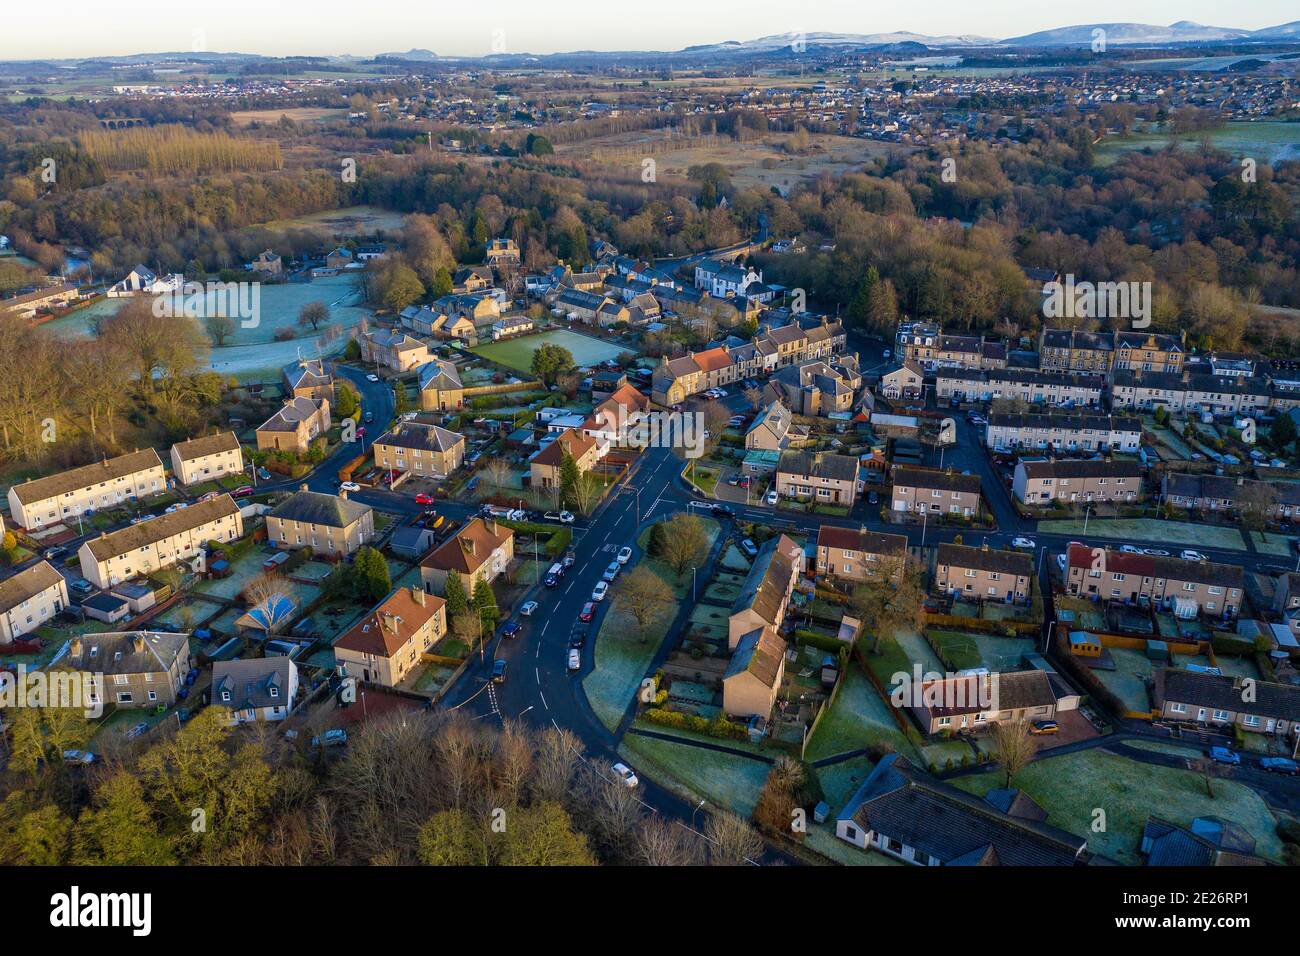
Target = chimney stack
(417,595)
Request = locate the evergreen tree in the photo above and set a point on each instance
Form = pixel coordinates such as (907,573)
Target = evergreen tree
(457,599)
(485,604)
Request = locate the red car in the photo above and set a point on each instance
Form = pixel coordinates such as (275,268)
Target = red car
(242,492)
(588,612)
(423,499)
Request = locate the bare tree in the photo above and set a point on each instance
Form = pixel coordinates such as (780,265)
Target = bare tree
(645,597)
(612,810)
(1015,746)
(661,842)
(732,840)
(558,753)
(266,593)
(683,542)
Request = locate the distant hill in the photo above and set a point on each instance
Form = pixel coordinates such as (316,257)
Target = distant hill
(1126,34)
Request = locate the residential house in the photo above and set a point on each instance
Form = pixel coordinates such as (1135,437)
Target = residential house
(579,305)
(308,378)
(144,281)
(480,551)
(440,386)
(30,304)
(331,525)
(1064,432)
(1148,352)
(817,387)
(1209,841)
(913,817)
(853,556)
(929,490)
(508,328)
(1259,706)
(255,689)
(159,542)
(1045,481)
(753,676)
(1278,500)
(41,502)
(1190,393)
(30,599)
(721,279)
(207,459)
(267,262)
(502,253)
(905,382)
(386,645)
(763,600)
(931,349)
(1073,350)
(395,350)
(820,476)
(970,703)
(339,258)
(428,451)
(1185,587)
(298,423)
(132,668)
(774,429)
(546,466)
(1058,389)
(986,574)
(472,279)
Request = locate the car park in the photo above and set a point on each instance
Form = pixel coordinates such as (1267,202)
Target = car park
(588,612)
(499,671)
(625,775)
(1225,755)
(624,555)
(331,738)
(1279,765)
(601,589)
(528,607)
(575,659)
(1189,555)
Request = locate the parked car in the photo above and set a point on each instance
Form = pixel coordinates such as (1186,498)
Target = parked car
(528,607)
(588,612)
(499,671)
(1279,765)
(625,774)
(51,554)
(1189,555)
(1129,549)
(81,585)
(563,517)
(611,572)
(873,498)
(137,730)
(575,659)
(78,756)
(598,593)
(331,738)
(1225,755)
(243,491)
(624,555)
(1060,562)
(552,580)
(372,377)
(423,498)
(1155,552)
(264,475)
(978,420)
(771,498)
(578,636)
(749,548)
(511,629)
(569,560)
(349,486)
(1041,727)
(368,417)
(1024,544)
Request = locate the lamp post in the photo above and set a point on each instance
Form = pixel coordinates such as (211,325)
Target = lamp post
(1086,513)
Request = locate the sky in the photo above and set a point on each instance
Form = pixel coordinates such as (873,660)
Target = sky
(80,28)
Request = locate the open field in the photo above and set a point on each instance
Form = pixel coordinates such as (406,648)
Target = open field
(518,353)
(724,779)
(1267,140)
(299,114)
(1073,786)
(762,162)
(352,221)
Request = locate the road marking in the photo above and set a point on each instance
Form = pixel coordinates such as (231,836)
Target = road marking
(543,697)
(537,676)
(569,588)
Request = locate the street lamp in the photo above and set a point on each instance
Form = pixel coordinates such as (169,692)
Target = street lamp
(1048,640)
(695,811)
(1087,509)
(692,585)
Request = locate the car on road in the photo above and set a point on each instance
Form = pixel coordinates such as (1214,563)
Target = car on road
(1277,765)
(588,612)
(1042,727)
(1024,544)
(1225,755)
(570,559)
(721,510)
(771,498)
(552,580)
(1129,549)
(625,774)
(578,636)
(563,517)
(372,377)
(51,554)
(78,756)
(600,590)
(624,555)
(331,738)
(528,607)
(349,486)
(424,498)
(611,572)
(749,548)
(575,659)
(1189,555)
(499,671)
(243,491)
(511,629)
(1155,553)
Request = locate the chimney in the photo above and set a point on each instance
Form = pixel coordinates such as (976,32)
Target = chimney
(343,493)
(138,643)
(75,647)
(303,486)
(417,595)
(468,543)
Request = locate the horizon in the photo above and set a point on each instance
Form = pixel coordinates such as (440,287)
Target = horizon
(515,26)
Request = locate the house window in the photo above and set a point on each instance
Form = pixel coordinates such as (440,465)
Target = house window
(1219,715)
(1178,708)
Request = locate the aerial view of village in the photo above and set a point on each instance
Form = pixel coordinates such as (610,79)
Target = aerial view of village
(841,446)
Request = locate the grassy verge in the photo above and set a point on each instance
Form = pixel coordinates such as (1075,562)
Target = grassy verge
(723,779)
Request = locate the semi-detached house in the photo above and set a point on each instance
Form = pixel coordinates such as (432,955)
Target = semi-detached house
(54,499)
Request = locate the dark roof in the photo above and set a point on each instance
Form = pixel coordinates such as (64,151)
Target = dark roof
(868,542)
(250,682)
(1075,339)
(1082,468)
(760,653)
(767,583)
(313,507)
(955,827)
(1210,842)
(819,464)
(978,693)
(51,486)
(1154,566)
(1074,421)
(986,559)
(934,478)
(416,435)
(127,652)
(1015,803)
(1182,686)
(152,530)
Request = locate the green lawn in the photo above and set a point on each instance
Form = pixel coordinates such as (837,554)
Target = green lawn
(859,718)
(1073,786)
(723,779)
(1278,545)
(1180,533)
(518,353)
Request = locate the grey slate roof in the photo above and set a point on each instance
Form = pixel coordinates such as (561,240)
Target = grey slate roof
(313,507)
(250,682)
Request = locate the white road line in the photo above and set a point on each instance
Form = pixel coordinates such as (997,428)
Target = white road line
(569,588)
(537,676)
(543,697)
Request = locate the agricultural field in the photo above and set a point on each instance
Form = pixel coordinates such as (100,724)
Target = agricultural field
(1268,141)
(343,223)
(299,114)
(518,353)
